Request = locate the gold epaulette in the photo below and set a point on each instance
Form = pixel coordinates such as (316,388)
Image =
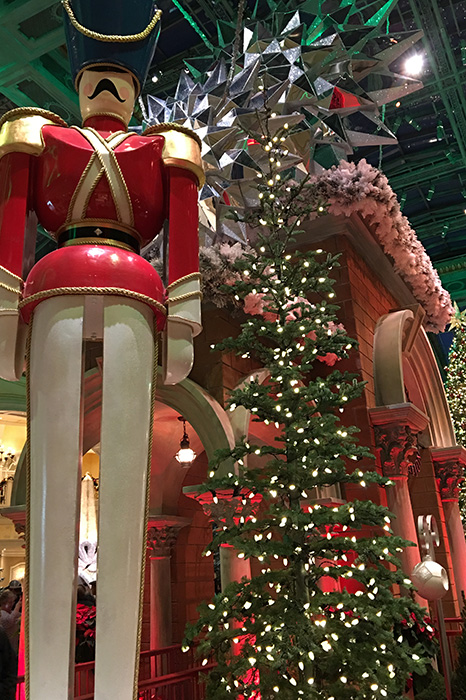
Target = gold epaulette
(182,147)
(21,130)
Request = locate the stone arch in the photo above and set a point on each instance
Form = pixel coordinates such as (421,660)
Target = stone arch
(403,357)
(207,418)
(13,398)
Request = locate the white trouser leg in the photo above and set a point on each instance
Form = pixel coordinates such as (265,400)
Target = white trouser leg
(55,374)
(126,424)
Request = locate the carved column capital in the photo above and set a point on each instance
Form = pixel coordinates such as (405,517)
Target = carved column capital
(396,430)
(17,514)
(162,532)
(227,507)
(449,463)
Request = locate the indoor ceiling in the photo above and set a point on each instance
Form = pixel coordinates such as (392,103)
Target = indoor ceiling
(427,168)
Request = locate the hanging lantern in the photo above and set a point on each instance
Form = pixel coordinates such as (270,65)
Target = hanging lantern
(185,455)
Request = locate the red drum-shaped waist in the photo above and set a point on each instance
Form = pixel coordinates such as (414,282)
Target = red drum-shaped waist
(94,269)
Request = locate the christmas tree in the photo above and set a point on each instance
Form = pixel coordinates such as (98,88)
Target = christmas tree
(455,387)
(456,375)
(319,620)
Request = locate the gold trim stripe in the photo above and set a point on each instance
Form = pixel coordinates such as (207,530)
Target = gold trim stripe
(147,506)
(117,291)
(27,538)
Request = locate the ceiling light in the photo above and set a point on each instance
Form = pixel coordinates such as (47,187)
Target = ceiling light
(414,65)
(185,455)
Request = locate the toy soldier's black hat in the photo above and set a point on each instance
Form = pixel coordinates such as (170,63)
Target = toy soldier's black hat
(121,33)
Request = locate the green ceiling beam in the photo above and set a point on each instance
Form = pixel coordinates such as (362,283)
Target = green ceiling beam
(15,58)
(62,95)
(427,17)
(23,9)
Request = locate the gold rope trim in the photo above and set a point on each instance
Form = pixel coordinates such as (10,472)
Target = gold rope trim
(146,513)
(188,295)
(186,278)
(62,291)
(31,111)
(28,506)
(12,274)
(169,126)
(10,289)
(99,241)
(111,38)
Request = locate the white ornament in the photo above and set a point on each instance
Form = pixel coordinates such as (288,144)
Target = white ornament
(431,579)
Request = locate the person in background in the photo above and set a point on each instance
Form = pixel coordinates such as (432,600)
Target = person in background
(15,587)
(8,668)
(10,617)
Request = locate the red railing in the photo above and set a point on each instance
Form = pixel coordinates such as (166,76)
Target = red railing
(453,628)
(164,674)
(185,685)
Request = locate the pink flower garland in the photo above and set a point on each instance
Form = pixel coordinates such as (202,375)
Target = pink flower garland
(359,188)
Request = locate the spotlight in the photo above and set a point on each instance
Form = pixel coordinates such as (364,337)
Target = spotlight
(414,65)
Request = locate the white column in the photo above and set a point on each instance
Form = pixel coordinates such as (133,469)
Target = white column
(161,537)
(404,525)
(225,509)
(396,429)
(449,467)
(232,567)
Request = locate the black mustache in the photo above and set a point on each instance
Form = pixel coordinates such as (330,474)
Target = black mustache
(106,84)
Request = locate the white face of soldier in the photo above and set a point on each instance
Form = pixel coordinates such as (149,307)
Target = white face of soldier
(108,92)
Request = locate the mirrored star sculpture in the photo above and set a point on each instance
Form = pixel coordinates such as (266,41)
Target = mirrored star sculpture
(324,70)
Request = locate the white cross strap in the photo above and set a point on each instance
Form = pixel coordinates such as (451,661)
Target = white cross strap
(102,162)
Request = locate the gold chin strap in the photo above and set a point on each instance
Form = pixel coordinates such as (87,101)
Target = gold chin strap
(102,161)
(112,38)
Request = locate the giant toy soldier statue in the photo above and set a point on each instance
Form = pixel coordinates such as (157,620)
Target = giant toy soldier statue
(103,192)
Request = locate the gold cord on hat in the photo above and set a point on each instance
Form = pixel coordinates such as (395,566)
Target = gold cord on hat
(113,38)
